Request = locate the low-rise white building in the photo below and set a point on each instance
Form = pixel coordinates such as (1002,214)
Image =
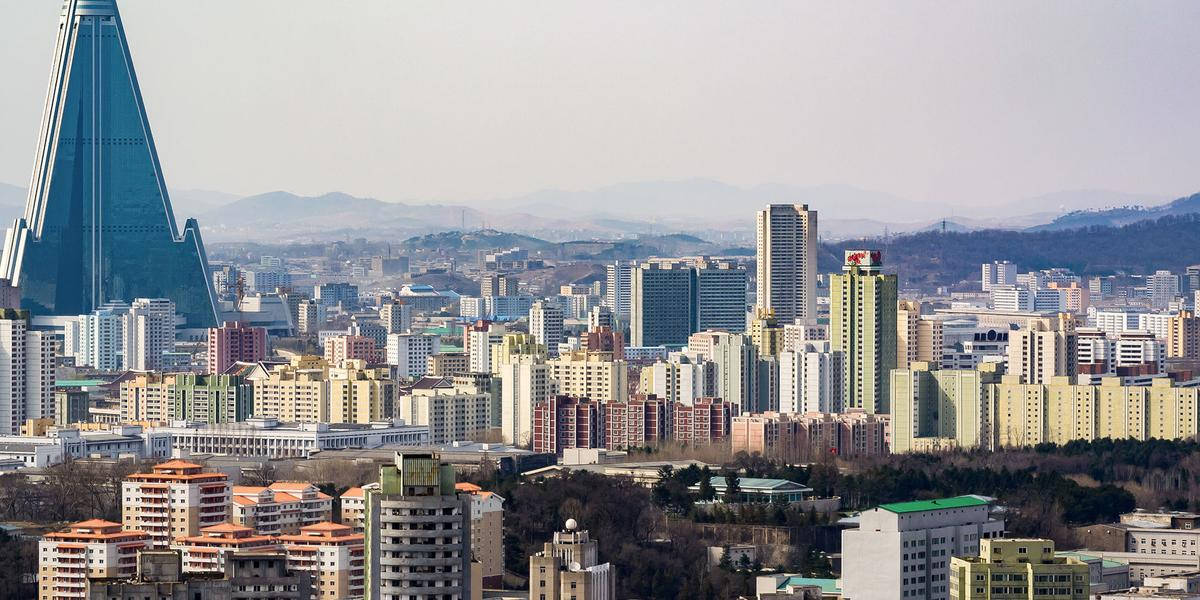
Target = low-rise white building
(269,438)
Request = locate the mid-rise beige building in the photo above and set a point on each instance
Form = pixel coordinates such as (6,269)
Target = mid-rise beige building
(487,532)
(936,409)
(293,394)
(766,333)
(585,375)
(335,556)
(1044,348)
(361,395)
(452,414)
(446,364)
(1018,568)
(89,549)
(176,499)
(919,337)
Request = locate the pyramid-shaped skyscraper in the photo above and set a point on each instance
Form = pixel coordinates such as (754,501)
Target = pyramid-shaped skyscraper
(98,225)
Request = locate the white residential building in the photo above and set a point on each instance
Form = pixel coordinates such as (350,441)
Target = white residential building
(787,261)
(1012,298)
(27,367)
(479,340)
(1163,287)
(452,414)
(810,380)
(149,333)
(1000,272)
(902,551)
(525,380)
(410,352)
(619,289)
(1157,323)
(546,325)
(683,378)
(397,317)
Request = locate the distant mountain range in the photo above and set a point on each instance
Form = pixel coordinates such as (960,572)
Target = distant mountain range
(711,209)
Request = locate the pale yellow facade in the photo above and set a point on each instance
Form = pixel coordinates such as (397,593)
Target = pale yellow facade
(360,395)
(585,375)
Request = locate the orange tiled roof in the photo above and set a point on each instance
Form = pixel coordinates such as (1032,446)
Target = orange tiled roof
(248,489)
(290,485)
(225,527)
(94,524)
(463,486)
(285,497)
(178,464)
(354,492)
(244,501)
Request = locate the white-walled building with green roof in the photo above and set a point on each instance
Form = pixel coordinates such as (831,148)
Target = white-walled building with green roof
(902,550)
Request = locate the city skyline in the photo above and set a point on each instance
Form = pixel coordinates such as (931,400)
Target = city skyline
(998,106)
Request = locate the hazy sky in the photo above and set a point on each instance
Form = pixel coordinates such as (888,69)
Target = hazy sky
(977,102)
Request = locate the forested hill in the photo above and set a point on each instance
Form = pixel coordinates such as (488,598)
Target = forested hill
(935,258)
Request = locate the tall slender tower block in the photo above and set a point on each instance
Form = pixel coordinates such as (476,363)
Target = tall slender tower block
(98,225)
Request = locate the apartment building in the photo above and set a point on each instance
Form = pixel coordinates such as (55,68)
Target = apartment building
(88,549)
(280,508)
(358,394)
(206,551)
(333,553)
(416,515)
(563,422)
(487,532)
(640,422)
(1018,568)
(810,436)
(176,499)
(454,413)
(706,421)
(594,376)
(353,512)
(903,550)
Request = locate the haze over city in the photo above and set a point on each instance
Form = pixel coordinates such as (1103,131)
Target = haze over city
(599,301)
(968,104)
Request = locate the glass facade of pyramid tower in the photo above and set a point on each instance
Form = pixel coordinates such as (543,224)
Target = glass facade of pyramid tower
(98,225)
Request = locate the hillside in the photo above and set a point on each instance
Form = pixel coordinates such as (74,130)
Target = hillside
(1123,215)
(484,239)
(933,258)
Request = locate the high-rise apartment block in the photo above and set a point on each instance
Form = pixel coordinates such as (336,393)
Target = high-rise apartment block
(934,409)
(720,295)
(682,378)
(1183,339)
(499,284)
(396,316)
(454,413)
(862,324)
(918,337)
(546,325)
(410,352)
(903,550)
(478,339)
(590,375)
(90,549)
(417,532)
(999,272)
(206,551)
(736,360)
(1045,348)
(445,364)
(1018,568)
(569,567)
(149,333)
(662,304)
(235,342)
(810,380)
(787,261)
(27,371)
(603,339)
(175,499)
(358,394)
(523,383)
(619,288)
(98,224)
(1162,287)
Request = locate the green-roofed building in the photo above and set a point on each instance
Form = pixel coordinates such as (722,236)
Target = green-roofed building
(754,489)
(783,585)
(902,550)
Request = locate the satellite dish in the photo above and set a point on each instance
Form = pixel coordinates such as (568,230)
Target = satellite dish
(576,566)
(572,525)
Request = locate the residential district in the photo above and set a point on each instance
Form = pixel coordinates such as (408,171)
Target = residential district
(345,421)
